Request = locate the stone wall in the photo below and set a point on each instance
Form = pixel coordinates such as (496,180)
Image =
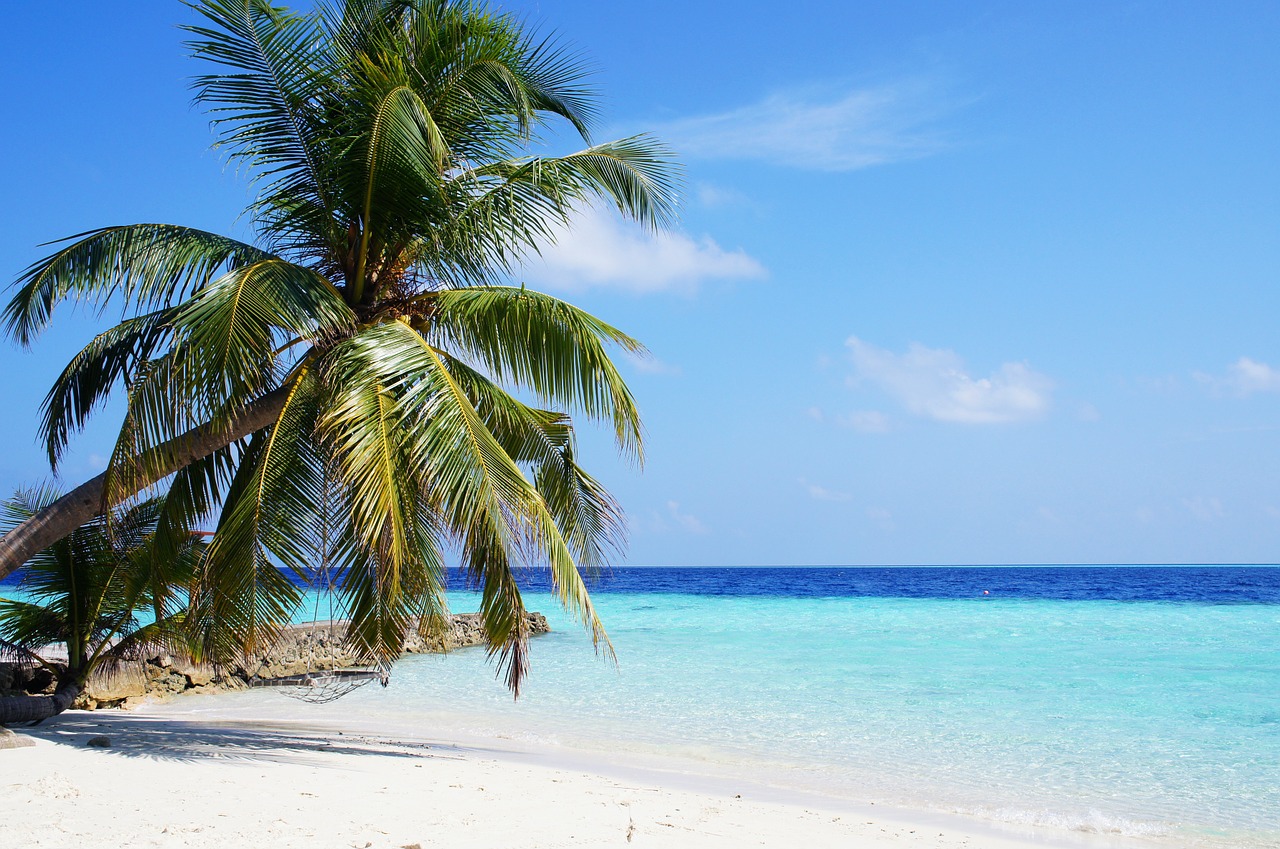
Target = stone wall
(302,648)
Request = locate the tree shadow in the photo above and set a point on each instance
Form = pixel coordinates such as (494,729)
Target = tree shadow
(258,741)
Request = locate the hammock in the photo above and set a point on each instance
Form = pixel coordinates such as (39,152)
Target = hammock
(326,686)
(323,686)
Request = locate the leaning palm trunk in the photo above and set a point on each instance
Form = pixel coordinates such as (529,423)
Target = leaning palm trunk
(33,709)
(89,500)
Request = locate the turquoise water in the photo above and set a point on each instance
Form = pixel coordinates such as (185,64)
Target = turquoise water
(1048,703)
(1152,719)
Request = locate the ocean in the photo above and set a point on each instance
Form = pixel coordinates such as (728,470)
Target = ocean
(1139,701)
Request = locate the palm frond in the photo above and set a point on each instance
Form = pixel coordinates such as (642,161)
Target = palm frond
(635,174)
(538,342)
(114,356)
(155,414)
(405,156)
(486,558)
(505,210)
(364,426)
(145,265)
(269,104)
(241,599)
(591,520)
(493,78)
(475,485)
(229,331)
(30,626)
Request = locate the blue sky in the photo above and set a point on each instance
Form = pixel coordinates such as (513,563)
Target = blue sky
(954,283)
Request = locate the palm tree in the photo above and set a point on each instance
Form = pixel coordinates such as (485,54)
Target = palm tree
(362,369)
(86,591)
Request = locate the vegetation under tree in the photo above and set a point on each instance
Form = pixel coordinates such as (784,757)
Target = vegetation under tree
(89,592)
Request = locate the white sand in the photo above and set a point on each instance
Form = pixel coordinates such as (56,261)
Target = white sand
(170,779)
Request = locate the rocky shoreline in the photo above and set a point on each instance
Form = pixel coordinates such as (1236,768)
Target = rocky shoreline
(302,648)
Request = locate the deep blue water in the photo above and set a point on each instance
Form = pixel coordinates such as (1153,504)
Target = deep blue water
(1193,584)
(1196,584)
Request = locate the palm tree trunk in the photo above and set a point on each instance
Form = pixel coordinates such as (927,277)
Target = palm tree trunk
(87,500)
(14,709)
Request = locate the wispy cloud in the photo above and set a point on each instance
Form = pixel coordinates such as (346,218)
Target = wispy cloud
(1204,509)
(1243,378)
(662,522)
(882,518)
(821,129)
(683,520)
(822,493)
(710,195)
(932,382)
(598,250)
(652,365)
(865,421)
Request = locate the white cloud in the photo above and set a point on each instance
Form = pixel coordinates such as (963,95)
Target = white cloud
(718,196)
(683,520)
(881,517)
(1244,377)
(819,129)
(866,421)
(1165,385)
(821,493)
(652,365)
(662,522)
(1204,509)
(600,250)
(1049,515)
(933,382)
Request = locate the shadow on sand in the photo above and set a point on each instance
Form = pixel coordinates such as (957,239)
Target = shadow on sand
(143,736)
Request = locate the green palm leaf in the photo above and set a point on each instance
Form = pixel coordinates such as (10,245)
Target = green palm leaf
(116,355)
(268,106)
(146,265)
(591,520)
(269,518)
(229,331)
(541,343)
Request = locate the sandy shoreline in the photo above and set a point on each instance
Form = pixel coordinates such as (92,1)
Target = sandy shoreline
(204,780)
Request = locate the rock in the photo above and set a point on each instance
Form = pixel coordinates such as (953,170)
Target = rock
(114,687)
(299,649)
(22,678)
(197,674)
(99,742)
(12,740)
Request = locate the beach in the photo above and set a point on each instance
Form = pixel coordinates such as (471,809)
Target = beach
(837,707)
(188,774)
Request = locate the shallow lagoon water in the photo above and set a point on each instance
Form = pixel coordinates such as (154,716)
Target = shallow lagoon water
(1048,701)
(1135,702)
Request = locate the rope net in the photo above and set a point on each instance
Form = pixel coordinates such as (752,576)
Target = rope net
(320,686)
(325,686)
